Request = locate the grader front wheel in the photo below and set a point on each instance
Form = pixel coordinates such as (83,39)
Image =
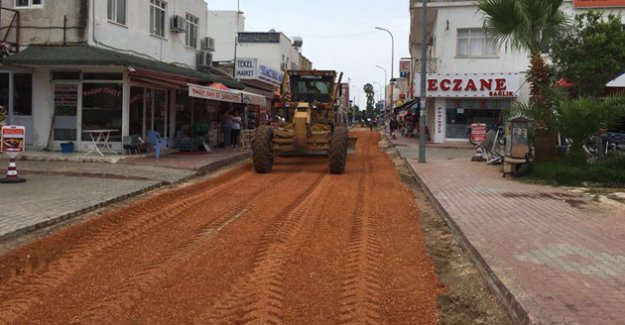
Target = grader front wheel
(262,151)
(338,150)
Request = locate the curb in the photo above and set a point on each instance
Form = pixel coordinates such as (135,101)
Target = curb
(72,214)
(199,172)
(517,313)
(222,163)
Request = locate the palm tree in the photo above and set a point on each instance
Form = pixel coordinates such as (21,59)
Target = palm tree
(526,25)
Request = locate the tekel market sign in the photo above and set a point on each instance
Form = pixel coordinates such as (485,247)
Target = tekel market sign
(598,3)
(252,69)
(471,85)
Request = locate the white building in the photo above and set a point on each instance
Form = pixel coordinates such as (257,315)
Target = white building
(468,80)
(257,59)
(73,66)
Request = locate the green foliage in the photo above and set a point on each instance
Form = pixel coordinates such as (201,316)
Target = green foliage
(522,24)
(574,172)
(592,52)
(579,119)
(526,25)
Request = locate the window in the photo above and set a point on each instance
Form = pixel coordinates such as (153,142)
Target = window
(117,11)
(23,94)
(28,4)
(474,43)
(158,12)
(102,108)
(192,28)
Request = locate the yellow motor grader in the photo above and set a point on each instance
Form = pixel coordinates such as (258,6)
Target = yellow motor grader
(306,121)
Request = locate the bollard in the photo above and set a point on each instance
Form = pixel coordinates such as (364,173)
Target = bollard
(12,176)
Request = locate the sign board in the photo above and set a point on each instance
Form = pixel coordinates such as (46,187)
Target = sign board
(598,3)
(467,85)
(13,139)
(253,69)
(404,68)
(478,132)
(253,99)
(214,94)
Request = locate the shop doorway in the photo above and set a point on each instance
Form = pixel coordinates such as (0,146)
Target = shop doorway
(66,112)
(148,111)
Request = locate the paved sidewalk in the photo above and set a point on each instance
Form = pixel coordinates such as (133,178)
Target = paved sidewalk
(555,257)
(60,187)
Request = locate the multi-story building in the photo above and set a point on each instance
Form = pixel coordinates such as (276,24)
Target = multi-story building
(73,66)
(469,80)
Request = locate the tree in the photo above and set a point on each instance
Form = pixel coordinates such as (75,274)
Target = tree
(592,53)
(370,93)
(525,25)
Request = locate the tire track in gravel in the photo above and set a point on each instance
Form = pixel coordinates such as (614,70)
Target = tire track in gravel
(23,290)
(163,268)
(361,293)
(259,297)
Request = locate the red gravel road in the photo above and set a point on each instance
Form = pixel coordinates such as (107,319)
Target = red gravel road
(295,246)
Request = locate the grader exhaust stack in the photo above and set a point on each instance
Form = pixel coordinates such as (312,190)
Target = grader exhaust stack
(307,121)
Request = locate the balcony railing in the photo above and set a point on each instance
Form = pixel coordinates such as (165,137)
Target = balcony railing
(431,65)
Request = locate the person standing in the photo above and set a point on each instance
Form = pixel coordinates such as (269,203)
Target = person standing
(236,128)
(227,129)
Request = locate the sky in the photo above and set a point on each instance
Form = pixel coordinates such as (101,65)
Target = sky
(338,34)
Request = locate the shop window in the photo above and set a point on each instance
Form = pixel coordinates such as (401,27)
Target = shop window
(22,94)
(116,11)
(158,12)
(28,4)
(4,91)
(475,43)
(192,28)
(102,108)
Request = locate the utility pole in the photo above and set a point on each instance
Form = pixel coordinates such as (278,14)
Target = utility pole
(422,98)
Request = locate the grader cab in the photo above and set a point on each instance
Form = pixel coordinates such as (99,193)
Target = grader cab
(306,121)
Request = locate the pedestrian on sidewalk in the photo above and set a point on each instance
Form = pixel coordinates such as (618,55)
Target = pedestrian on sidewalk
(236,129)
(227,128)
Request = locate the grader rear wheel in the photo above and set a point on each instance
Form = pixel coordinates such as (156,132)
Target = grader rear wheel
(338,150)
(262,151)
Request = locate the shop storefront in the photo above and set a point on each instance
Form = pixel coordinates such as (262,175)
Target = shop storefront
(68,94)
(455,101)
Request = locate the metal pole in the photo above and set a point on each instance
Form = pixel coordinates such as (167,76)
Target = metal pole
(422,98)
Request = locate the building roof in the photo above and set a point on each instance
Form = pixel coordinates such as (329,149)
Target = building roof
(90,55)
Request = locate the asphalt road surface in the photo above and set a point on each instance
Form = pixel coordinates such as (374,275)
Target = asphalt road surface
(295,246)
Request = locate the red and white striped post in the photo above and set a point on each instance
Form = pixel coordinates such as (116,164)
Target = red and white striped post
(12,176)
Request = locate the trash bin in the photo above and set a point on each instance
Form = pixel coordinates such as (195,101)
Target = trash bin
(67,147)
(516,149)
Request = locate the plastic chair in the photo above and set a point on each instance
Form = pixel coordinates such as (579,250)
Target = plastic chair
(157,142)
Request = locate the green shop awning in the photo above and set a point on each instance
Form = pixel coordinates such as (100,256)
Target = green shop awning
(90,55)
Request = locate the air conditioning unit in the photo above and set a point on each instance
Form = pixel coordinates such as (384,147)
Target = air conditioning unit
(178,24)
(204,59)
(208,44)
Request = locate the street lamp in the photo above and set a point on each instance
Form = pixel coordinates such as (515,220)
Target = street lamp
(422,95)
(392,47)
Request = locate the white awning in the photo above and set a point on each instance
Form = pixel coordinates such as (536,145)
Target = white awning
(253,99)
(617,82)
(232,96)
